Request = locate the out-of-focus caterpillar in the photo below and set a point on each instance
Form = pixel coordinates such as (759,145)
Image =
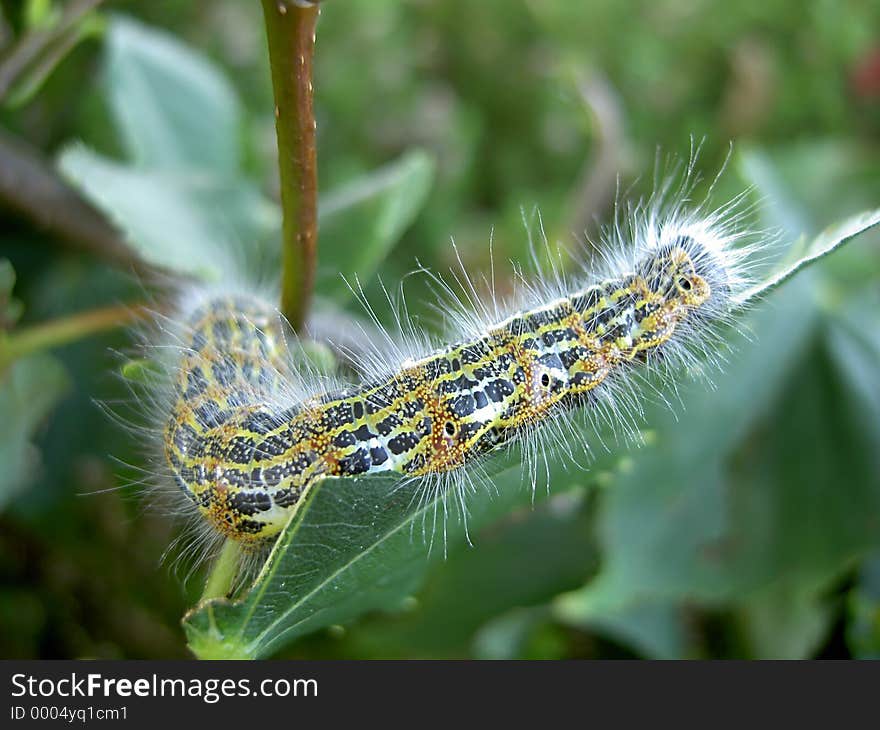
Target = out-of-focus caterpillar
(246,435)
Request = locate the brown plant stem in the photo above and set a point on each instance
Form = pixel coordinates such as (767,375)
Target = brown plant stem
(290,31)
(54,333)
(31,189)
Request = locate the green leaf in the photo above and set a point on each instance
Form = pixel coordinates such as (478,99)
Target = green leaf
(771,539)
(671,502)
(10,308)
(173,108)
(525,559)
(505,636)
(853,343)
(186,222)
(654,629)
(522,558)
(361,222)
(355,545)
(825,244)
(141,370)
(821,501)
(29,389)
(863,627)
(787,620)
(330,565)
(806,184)
(778,209)
(40,14)
(58,47)
(349,549)
(522,633)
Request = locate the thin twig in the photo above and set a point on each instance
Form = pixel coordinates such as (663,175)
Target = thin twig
(290,30)
(33,44)
(594,191)
(55,333)
(30,188)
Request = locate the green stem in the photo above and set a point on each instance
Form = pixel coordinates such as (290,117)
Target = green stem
(223,572)
(290,31)
(58,332)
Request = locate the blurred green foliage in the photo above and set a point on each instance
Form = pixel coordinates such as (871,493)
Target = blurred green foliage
(749,523)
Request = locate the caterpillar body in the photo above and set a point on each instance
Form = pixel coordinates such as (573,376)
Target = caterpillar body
(245,452)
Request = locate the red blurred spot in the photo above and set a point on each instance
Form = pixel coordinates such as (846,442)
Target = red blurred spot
(865,77)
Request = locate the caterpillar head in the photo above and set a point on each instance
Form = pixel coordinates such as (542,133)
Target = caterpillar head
(678,273)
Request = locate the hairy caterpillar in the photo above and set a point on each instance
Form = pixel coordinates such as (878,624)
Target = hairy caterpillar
(246,435)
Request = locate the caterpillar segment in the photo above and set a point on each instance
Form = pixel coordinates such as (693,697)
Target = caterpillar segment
(246,462)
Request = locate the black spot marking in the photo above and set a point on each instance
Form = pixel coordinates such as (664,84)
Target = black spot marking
(356,463)
(462,406)
(517,327)
(412,408)
(481,400)
(498,389)
(537,320)
(403,442)
(386,426)
(184,437)
(287,497)
(220,330)
(199,341)
(469,430)
(551,360)
(196,383)
(437,367)
(209,415)
(272,476)
(586,301)
(473,354)
(224,372)
(260,422)
(237,398)
(273,446)
(462,382)
(570,357)
(414,464)
(241,450)
(251,527)
(339,415)
(346,438)
(583,378)
(363,433)
(249,503)
(645,311)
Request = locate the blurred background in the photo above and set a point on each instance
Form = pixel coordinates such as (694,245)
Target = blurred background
(749,523)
